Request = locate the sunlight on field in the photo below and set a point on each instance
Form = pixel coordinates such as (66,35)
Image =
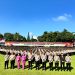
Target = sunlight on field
(33,71)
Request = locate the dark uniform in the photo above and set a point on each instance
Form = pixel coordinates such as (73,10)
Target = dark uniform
(62,62)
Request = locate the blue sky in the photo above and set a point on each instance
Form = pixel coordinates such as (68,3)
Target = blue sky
(36,16)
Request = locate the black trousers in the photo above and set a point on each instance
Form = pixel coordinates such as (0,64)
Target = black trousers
(47,59)
(40,62)
(37,65)
(51,65)
(33,60)
(12,62)
(6,64)
(56,65)
(68,66)
(30,65)
(44,65)
(62,65)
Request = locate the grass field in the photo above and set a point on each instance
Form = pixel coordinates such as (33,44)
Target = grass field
(33,71)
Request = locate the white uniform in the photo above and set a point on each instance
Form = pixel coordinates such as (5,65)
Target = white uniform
(12,57)
(56,58)
(50,58)
(43,57)
(29,56)
(37,57)
(6,57)
(68,59)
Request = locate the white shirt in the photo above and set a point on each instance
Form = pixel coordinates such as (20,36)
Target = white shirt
(68,59)
(50,58)
(43,57)
(29,57)
(56,58)
(12,57)
(37,57)
(6,57)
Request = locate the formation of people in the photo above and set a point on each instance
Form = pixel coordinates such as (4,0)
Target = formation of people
(37,58)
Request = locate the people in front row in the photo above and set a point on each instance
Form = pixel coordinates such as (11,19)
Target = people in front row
(12,60)
(68,62)
(52,58)
(6,61)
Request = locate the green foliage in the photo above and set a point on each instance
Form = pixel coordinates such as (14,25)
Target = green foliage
(33,40)
(14,37)
(64,36)
(1,36)
(8,36)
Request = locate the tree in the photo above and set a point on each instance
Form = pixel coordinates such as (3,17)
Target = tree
(33,40)
(64,36)
(8,36)
(24,39)
(18,37)
(1,35)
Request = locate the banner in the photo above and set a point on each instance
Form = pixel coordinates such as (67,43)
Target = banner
(46,44)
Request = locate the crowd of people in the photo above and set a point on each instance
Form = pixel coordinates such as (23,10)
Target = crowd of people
(38,56)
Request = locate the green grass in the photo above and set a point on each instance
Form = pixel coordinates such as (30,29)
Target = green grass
(33,71)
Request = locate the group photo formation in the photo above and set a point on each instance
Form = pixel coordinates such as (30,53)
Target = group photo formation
(32,54)
(38,58)
(37,37)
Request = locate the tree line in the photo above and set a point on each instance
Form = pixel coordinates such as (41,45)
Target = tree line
(64,36)
(16,37)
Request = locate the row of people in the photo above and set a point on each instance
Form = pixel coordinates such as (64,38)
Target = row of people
(38,57)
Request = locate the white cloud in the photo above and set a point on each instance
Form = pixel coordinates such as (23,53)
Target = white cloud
(34,37)
(64,17)
(30,33)
(67,15)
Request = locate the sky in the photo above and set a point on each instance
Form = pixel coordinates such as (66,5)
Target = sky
(36,16)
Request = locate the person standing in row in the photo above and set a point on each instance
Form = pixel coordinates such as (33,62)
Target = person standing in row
(62,62)
(56,59)
(23,58)
(18,60)
(68,62)
(12,60)
(43,57)
(50,58)
(29,60)
(37,59)
(6,61)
